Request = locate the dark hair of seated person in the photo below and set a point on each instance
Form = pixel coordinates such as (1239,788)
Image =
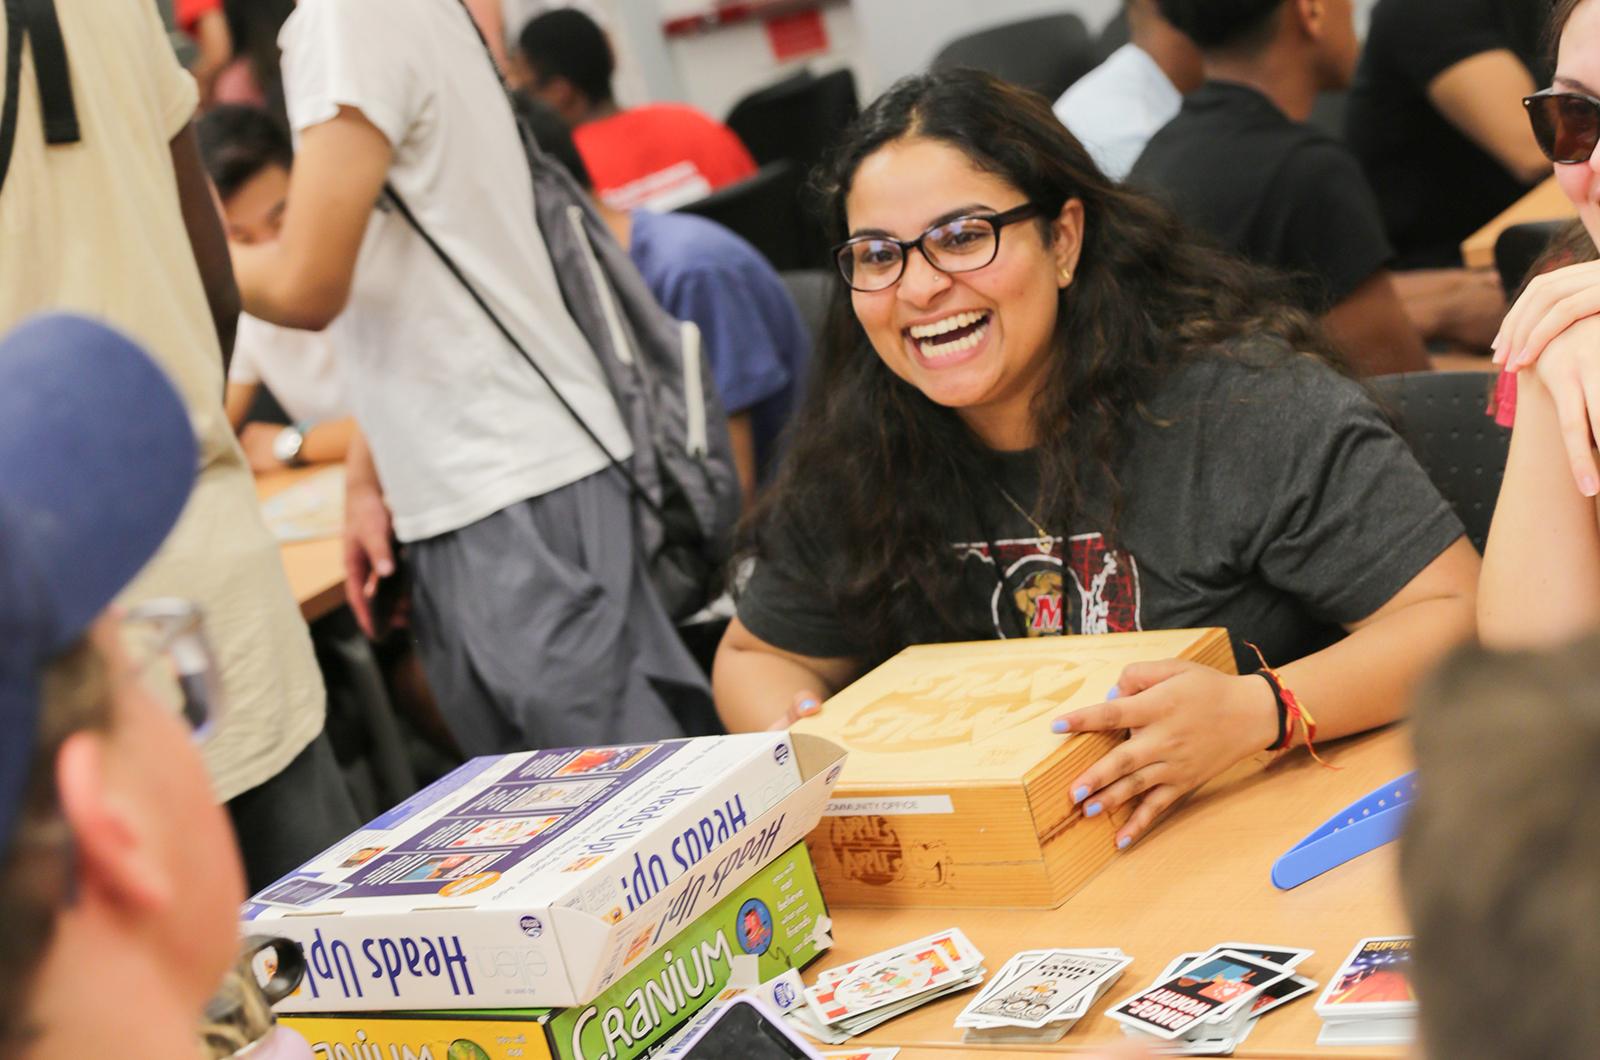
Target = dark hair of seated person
(875,463)
(1223,25)
(553,136)
(237,142)
(567,43)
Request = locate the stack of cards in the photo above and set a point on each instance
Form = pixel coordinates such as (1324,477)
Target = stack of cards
(853,998)
(1039,994)
(1205,1004)
(1369,1000)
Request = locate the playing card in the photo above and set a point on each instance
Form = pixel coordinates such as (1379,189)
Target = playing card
(1057,984)
(1283,956)
(958,949)
(1279,994)
(1373,982)
(877,983)
(1173,1005)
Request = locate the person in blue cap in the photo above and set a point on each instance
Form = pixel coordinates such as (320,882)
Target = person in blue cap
(119,875)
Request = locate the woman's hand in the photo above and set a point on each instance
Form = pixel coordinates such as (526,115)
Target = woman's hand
(1549,305)
(804,705)
(1570,371)
(1188,723)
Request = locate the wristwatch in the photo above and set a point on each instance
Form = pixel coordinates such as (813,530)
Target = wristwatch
(287,445)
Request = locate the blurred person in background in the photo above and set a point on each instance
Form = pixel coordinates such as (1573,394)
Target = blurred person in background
(1116,107)
(120,224)
(659,155)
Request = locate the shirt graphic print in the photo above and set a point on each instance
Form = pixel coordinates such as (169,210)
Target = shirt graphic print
(1095,590)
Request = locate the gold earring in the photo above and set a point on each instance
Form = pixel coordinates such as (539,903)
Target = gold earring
(1064,275)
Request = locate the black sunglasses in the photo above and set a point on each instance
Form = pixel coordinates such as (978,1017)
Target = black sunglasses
(1566,124)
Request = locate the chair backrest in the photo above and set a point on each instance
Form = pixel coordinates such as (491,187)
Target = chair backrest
(1442,417)
(1112,36)
(764,209)
(1045,54)
(812,291)
(1518,247)
(797,119)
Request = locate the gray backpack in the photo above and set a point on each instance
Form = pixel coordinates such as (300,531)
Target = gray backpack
(681,472)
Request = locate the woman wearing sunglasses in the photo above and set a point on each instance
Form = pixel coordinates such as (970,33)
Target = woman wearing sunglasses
(1044,409)
(1544,544)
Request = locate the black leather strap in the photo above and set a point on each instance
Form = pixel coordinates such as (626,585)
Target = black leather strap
(35,21)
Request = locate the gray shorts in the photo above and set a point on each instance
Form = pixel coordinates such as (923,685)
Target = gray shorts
(539,627)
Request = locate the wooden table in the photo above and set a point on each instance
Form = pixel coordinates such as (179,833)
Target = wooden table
(1546,202)
(315,568)
(1200,878)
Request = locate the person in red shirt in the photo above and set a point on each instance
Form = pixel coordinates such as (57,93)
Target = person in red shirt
(658,156)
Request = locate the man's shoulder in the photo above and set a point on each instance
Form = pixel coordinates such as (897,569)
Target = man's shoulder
(677,118)
(690,244)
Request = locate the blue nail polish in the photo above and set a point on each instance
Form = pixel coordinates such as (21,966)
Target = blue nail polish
(1092,809)
(1059,725)
(1079,794)
(1116,690)
(1122,844)
(808,704)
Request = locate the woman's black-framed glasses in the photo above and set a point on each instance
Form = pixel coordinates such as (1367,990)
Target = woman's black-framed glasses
(1566,124)
(875,263)
(169,651)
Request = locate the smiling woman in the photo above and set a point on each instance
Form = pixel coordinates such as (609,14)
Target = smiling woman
(1043,408)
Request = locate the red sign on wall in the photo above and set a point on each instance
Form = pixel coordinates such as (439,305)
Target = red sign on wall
(795,36)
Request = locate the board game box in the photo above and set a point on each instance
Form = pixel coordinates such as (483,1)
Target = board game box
(956,791)
(773,923)
(540,878)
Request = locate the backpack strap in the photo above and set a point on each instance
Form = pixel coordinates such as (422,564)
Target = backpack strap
(494,318)
(36,20)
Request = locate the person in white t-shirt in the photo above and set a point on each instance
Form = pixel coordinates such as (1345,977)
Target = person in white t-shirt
(535,615)
(1118,106)
(248,157)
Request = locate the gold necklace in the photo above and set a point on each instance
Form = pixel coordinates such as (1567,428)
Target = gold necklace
(1046,539)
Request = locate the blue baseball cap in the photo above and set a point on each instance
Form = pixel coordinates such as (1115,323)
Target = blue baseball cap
(97,457)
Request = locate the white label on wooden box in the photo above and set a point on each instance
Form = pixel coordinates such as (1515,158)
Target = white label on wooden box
(886,807)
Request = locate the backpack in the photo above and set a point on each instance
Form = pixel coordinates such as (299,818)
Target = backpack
(682,471)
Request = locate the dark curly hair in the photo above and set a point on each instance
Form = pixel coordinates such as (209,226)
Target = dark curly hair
(877,468)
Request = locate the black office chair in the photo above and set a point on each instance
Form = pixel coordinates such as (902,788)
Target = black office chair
(765,209)
(1441,416)
(798,119)
(1518,247)
(812,291)
(1045,54)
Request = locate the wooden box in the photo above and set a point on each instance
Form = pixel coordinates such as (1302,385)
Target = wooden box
(956,791)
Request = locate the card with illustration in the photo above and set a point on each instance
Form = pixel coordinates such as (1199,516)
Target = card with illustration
(1045,991)
(1174,1005)
(1373,982)
(876,984)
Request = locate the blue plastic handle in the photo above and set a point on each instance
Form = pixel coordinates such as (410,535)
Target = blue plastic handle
(1364,825)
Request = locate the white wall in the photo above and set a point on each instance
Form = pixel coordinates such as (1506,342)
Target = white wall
(901,37)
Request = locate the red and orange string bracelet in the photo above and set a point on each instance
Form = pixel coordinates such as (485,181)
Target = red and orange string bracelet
(1290,713)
